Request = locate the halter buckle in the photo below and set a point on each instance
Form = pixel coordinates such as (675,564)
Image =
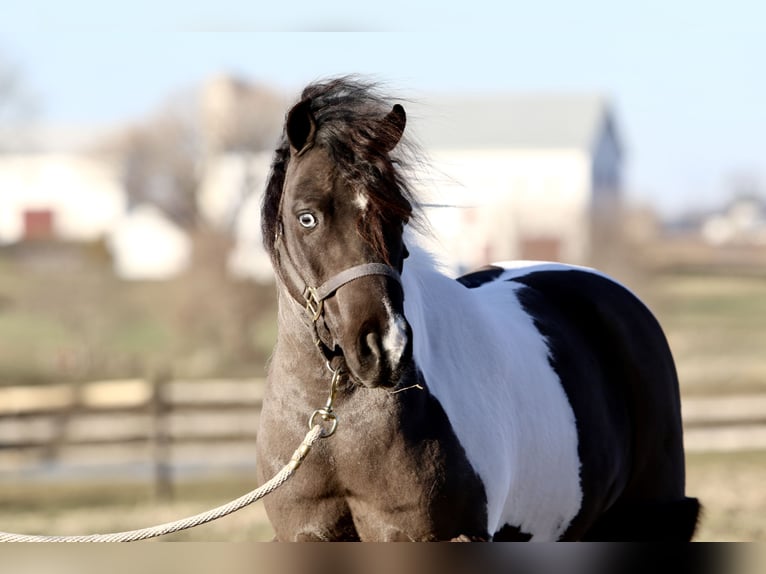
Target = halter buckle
(314,304)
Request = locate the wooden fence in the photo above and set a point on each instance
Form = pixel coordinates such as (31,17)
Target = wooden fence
(129,428)
(163,429)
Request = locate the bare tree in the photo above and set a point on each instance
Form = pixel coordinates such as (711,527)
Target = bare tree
(163,158)
(161,162)
(240,116)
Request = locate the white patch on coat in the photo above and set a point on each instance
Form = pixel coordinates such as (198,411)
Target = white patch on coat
(485,361)
(395,339)
(362,202)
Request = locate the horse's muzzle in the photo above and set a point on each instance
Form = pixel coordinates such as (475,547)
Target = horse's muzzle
(382,355)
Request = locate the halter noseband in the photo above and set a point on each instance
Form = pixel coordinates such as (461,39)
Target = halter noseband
(313,298)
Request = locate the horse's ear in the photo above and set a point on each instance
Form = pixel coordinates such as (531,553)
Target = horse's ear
(394,121)
(301,127)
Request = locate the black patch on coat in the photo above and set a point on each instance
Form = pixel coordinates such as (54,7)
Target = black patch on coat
(618,374)
(482,276)
(510,533)
(673,521)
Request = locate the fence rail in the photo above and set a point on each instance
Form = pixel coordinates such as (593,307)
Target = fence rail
(163,427)
(157,427)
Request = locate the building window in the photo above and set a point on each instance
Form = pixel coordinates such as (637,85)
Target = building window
(38,224)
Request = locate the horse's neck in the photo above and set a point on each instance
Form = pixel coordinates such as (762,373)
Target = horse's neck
(428,290)
(442,314)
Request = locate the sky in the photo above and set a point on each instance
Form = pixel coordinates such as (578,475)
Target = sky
(686,78)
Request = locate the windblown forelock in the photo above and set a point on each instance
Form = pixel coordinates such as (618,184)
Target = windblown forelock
(386,210)
(364,165)
(348,114)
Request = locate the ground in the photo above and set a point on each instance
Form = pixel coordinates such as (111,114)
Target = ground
(729,484)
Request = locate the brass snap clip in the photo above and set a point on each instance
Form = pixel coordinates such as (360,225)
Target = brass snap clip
(328,416)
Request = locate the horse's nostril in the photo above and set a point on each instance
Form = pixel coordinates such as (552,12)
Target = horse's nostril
(380,355)
(370,348)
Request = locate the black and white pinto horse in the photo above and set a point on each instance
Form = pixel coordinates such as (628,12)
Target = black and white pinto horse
(522,401)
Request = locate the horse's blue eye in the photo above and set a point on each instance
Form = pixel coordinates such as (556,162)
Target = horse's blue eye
(307,220)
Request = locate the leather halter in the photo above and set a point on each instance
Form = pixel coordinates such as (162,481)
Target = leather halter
(313,298)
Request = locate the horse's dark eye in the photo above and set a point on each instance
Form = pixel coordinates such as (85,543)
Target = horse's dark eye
(307,220)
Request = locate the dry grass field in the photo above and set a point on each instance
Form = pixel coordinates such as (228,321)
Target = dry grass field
(716,325)
(88,507)
(731,486)
(732,489)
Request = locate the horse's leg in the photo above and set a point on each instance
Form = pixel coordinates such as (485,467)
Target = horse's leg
(303,519)
(671,521)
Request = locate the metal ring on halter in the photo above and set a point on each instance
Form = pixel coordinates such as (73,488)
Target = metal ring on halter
(327,415)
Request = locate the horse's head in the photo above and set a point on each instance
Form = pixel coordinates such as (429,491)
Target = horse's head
(339,227)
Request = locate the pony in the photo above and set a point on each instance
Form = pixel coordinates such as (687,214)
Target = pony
(523,401)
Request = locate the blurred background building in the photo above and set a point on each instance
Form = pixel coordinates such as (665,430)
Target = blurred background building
(511,177)
(522,176)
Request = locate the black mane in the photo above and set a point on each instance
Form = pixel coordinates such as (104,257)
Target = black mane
(348,113)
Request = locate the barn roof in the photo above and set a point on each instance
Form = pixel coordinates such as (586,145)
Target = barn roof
(512,121)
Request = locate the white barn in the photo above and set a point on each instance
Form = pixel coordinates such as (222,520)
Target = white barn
(519,177)
(76,198)
(58,196)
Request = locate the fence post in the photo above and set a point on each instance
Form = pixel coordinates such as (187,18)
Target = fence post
(62,417)
(161,439)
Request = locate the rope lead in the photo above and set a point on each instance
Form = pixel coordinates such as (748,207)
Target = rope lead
(279,479)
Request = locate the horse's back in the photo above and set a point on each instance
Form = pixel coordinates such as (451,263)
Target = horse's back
(616,368)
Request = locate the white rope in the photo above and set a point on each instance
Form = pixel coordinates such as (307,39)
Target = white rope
(279,479)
